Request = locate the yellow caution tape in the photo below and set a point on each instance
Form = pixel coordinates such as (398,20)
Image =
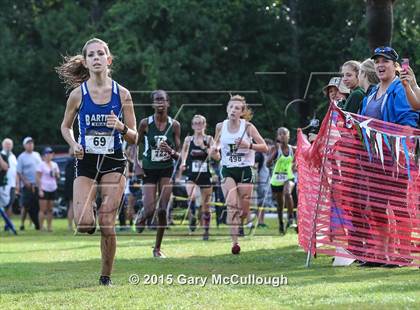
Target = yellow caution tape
(221,204)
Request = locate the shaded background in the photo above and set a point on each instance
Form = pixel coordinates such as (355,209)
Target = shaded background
(193,45)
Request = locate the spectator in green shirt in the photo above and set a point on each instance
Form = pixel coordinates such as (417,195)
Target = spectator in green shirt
(350,71)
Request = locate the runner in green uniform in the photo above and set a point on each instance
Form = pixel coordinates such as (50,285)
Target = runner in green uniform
(282,179)
(160,135)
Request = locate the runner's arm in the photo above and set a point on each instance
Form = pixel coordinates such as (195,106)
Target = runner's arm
(131,135)
(73,103)
(272,155)
(260,145)
(215,147)
(184,151)
(142,129)
(177,137)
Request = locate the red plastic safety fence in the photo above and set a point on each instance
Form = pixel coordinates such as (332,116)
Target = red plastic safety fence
(359,190)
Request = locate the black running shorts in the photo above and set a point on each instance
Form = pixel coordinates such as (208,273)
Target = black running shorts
(94,166)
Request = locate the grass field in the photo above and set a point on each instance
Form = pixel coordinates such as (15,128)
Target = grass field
(40,270)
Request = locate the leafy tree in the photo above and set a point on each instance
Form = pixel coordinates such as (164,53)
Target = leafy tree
(190,45)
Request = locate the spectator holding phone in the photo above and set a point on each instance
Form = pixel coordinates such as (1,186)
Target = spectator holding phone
(412,89)
(388,101)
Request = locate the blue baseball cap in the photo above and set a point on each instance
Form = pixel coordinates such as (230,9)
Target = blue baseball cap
(47,150)
(386,52)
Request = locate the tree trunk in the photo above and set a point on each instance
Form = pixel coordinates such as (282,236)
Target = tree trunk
(296,75)
(379,15)
(96,12)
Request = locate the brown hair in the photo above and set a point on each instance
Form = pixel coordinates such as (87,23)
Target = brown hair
(72,71)
(247,112)
(368,68)
(353,64)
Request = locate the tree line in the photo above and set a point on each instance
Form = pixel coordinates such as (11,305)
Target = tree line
(199,50)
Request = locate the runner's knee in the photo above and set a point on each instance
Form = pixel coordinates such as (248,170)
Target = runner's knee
(107,224)
(287,195)
(244,214)
(234,214)
(84,226)
(107,230)
(148,213)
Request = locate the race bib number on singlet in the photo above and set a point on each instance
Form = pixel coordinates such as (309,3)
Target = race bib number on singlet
(159,155)
(236,158)
(233,155)
(281,177)
(199,166)
(99,144)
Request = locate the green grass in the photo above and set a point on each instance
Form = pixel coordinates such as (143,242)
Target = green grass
(39,270)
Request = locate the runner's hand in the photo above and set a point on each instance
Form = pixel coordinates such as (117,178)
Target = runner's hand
(241,143)
(164,146)
(213,150)
(112,121)
(78,151)
(274,148)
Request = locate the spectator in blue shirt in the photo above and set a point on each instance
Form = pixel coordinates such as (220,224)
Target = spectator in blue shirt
(388,101)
